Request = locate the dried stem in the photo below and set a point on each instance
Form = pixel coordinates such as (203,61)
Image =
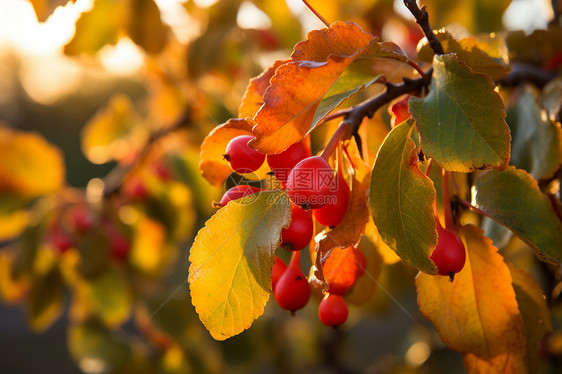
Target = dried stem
(316,13)
(422,18)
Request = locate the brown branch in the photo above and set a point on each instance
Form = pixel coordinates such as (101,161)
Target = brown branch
(527,73)
(422,18)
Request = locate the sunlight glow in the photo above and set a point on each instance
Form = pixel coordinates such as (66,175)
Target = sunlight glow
(125,58)
(417,353)
(251,17)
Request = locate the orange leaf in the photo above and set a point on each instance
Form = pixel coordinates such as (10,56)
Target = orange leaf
(253,96)
(212,164)
(349,231)
(341,39)
(477,314)
(342,268)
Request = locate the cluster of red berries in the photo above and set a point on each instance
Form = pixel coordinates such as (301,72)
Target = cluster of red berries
(315,191)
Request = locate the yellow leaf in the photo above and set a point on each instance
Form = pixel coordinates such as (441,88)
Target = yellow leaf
(147,252)
(477,314)
(11,290)
(30,165)
(231,262)
(13,223)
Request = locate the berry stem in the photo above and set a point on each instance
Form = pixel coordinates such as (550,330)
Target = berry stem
(316,13)
(295,261)
(342,132)
(449,224)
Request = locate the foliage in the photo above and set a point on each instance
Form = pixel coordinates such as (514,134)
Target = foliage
(481,139)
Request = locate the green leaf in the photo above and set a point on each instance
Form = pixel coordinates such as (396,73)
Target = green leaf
(535,313)
(513,198)
(45,300)
(97,27)
(231,262)
(401,200)
(537,141)
(462,120)
(468,51)
(110,298)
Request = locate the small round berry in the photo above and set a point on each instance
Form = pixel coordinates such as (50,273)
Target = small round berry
(60,241)
(241,191)
(449,256)
(310,184)
(241,157)
(333,310)
(282,163)
(292,291)
(278,269)
(332,213)
(299,233)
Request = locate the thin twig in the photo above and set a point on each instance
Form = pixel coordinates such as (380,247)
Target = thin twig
(316,13)
(527,73)
(422,18)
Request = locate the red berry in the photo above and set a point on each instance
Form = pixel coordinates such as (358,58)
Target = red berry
(300,231)
(60,240)
(282,163)
(120,246)
(278,269)
(449,256)
(138,191)
(238,192)
(292,291)
(333,310)
(241,157)
(81,219)
(400,110)
(311,183)
(332,213)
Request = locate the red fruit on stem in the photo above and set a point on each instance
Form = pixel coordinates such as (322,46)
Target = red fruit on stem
(120,246)
(310,184)
(81,219)
(282,163)
(241,157)
(333,310)
(292,290)
(332,213)
(60,240)
(138,191)
(300,231)
(449,256)
(238,192)
(400,111)
(278,269)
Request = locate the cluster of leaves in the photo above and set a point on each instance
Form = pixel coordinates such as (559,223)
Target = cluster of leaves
(485,109)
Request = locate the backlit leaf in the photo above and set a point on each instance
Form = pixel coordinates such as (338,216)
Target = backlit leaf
(468,51)
(401,200)
(535,313)
(46,298)
(231,262)
(253,96)
(513,198)
(97,27)
(145,26)
(537,141)
(477,314)
(325,71)
(110,134)
(30,165)
(349,231)
(366,286)
(462,120)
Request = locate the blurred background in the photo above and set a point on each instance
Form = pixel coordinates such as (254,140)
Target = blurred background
(85,86)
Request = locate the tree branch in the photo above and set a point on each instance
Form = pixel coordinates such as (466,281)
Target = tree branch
(527,73)
(422,18)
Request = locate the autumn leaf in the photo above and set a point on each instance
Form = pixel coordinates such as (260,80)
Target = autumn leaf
(323,73)
(349,231)
(535,313)
(366,286)
(467,51)
(46,298)
(513,198)
(30,165)
(231,262)
(341,268)
(402,198)
(146,27)
(462,120)
(253,96)
(477,314)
